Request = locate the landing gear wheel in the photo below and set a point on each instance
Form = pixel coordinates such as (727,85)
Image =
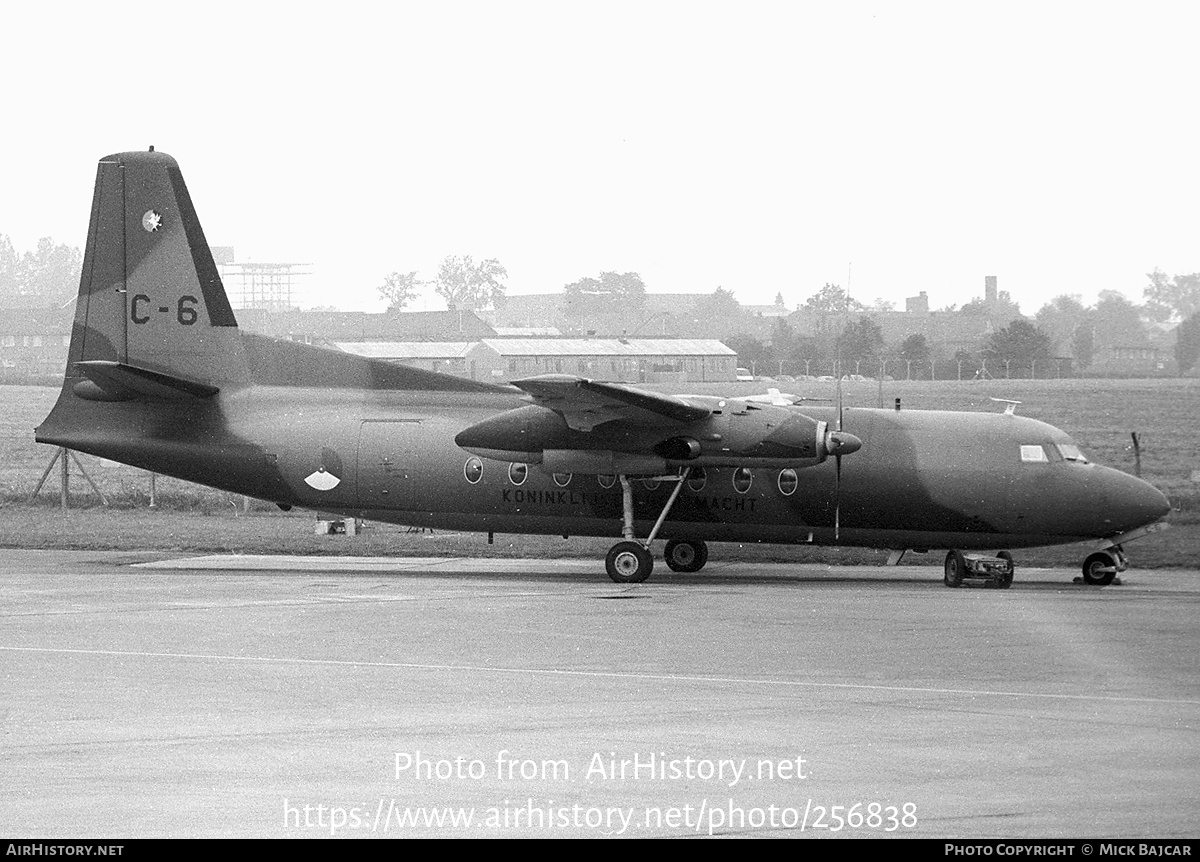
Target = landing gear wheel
(955,566)
(629,563)
(686,555)
(1003,582)
(1099,569)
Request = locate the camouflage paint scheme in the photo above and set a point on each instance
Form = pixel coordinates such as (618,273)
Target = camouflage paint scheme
(159,376)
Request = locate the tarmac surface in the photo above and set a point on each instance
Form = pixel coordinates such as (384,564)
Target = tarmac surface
(155,695)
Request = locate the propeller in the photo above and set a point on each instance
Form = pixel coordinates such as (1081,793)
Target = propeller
(839,443)
(837,458)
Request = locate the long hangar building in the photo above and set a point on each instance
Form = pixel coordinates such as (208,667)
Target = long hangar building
(630,360)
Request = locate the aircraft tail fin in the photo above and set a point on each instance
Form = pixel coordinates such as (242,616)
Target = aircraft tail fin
(151,305)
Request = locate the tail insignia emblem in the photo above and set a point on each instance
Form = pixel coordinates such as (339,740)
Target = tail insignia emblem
(151,221)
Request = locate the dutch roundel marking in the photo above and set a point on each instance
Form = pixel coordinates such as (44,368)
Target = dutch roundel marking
(322,480)
(151,221)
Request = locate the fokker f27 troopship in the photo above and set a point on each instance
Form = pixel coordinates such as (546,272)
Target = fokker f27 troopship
(160,376)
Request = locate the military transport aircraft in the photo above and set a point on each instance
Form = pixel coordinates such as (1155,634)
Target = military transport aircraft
(159,376)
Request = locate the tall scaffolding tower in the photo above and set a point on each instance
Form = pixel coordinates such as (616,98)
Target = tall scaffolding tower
(267,286)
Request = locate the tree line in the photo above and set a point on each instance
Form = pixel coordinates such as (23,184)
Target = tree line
(465,284)
(47,277)
(844,339)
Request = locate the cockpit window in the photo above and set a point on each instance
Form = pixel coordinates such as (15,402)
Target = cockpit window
(1033,454)
(1070,452)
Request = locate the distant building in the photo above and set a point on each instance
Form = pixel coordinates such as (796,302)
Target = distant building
(946,332)
(631,360)
(1124,360)
(446,357)
(334,326)
(527,332)
(33,343)
(658,315)
(502,359)
(918,304)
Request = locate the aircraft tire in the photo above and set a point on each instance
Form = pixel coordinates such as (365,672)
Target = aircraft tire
(1094,569)
(629,563)
(1003,582)
(686,555)
(955,566)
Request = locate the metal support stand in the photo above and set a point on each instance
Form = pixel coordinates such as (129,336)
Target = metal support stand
(61,455)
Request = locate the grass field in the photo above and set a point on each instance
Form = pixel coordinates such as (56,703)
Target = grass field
(1099,414)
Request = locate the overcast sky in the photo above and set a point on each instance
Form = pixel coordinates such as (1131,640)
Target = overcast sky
(762,147)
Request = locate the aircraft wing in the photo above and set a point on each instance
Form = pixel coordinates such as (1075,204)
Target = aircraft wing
(586,403)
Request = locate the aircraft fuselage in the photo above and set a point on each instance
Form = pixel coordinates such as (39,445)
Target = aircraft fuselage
(923,479)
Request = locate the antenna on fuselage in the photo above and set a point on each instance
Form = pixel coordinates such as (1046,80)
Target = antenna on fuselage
(1011,406)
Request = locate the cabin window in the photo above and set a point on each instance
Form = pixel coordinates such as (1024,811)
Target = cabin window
(788,482)
(697,479)
(742,479)
(562,480)
(1071,452)
(473,470)
(1034,454)
(606,480)
(518,472)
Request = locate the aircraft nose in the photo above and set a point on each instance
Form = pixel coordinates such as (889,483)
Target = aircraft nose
(1135,503)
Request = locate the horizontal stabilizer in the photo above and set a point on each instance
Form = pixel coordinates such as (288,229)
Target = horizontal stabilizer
(117,381)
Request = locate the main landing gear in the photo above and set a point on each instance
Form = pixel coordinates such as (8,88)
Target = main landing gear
(630,561)
(996,571)
(686,555)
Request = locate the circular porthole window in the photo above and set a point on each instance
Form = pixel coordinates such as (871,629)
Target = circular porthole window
(562,480)
(788,482)
(742,479)
(697,479)
(473,470)
(606,480)
(518,473)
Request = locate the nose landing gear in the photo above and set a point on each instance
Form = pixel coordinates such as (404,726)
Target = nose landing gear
(1101,568)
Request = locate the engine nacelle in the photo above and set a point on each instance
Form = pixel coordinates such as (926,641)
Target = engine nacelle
(736,434)
(679,449)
